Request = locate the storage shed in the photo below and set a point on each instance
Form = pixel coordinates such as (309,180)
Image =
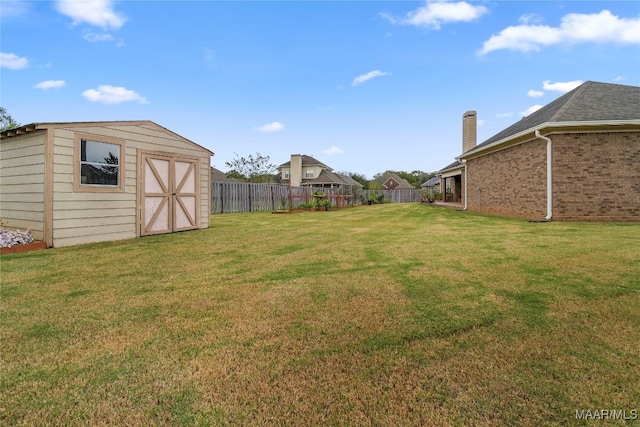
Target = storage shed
(73,183)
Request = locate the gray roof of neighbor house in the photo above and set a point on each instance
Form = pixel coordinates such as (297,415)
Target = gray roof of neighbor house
(306,161)
(218,176)
(431,182)
(348,180)
(589,102)
(325,177)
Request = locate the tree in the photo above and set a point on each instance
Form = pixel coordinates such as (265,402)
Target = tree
(360,178)
(252,168)
(6,121)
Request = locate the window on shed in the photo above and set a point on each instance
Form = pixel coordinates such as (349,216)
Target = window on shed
(99,163)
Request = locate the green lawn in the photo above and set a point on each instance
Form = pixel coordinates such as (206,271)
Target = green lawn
(385,315)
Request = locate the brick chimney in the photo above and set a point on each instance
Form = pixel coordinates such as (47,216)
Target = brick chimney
(469,131)
(295,177)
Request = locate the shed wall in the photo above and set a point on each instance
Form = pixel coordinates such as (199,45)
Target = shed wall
(84,217)
(22,166)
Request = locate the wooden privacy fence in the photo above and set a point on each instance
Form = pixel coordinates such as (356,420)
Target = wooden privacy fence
(232,197)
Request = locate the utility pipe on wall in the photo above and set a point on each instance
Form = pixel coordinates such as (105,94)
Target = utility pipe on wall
(549,176)
(466,184)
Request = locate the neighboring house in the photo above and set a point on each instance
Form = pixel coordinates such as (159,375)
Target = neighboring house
(305,171)
(350,181)
(73,183)
(431,185)
(574,159)
(218,176)
(391,181)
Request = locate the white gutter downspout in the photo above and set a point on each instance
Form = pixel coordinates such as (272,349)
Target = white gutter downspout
(464,162)
(549,176)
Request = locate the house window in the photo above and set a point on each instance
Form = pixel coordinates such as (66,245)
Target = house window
(286,175)
(309,173)
(99,164)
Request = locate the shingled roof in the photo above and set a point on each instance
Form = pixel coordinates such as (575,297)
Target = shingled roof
(306,161)
(589,102)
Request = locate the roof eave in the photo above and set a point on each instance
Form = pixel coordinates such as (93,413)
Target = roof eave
(544,126)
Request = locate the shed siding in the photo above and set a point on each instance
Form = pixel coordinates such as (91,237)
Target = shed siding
(22,182)
(84,217)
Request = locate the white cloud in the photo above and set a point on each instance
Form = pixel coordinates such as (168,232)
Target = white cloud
(370,75)
(92,37)
(13,61)
(530,110)
(113,95)
(530,18)
(561,86)
(271,127)
(435,13)
(619,79)
(333,150)
(504,115)
(603,27)
(11,8)
(480,122)
(50,84)
(98,13)
(535,93)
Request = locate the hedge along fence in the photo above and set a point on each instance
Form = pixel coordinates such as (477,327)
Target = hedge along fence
(232,197)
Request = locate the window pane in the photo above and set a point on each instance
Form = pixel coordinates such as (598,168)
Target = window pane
(99,163)
(100,152)
(99,175)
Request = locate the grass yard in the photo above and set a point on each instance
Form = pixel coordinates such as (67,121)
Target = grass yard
(389,315)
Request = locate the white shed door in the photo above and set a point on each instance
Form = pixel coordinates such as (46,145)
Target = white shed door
(170,195)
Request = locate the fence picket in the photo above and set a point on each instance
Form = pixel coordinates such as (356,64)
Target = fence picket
(234,197)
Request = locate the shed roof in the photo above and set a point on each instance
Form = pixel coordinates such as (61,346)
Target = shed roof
(40,126)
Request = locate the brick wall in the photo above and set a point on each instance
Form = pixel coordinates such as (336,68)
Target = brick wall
(596,176)
(512,181)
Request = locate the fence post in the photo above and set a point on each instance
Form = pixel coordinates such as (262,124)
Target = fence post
(221,198)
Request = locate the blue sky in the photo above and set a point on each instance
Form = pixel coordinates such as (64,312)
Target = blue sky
(361,86)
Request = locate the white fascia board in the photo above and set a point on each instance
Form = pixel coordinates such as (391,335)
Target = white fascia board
(548,125)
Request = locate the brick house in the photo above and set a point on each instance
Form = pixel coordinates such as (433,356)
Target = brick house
(391,181)
(576,159)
